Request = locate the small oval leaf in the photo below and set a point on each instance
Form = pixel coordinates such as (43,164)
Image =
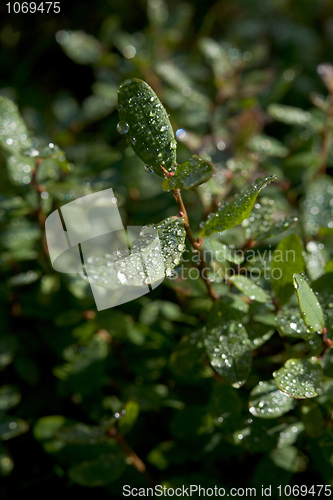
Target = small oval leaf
(146,125)
(300,378)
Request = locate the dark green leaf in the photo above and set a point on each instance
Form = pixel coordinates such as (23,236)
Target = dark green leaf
(233,214)
(9,397)
(189,174)
(99,472)
(146,125)
(229,351)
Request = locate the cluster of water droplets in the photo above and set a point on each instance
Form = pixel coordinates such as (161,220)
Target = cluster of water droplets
(318,205)
(290,323)
(229,350)
(229,215)
(267,401)
(300,378)
(152,257)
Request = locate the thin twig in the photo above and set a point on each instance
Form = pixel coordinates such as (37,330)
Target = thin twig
(196,244)
(133,458)
(326,138)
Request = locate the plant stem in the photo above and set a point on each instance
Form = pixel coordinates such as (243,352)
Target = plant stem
(326,138)
(39,212)
(196,244)
(133,458)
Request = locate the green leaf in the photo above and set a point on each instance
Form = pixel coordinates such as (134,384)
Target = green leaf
(289,458)
(189,174)
(6,463)
(222,253)
(293,116)
(323,288)
(278,228)
(185,360)
(229,351)
(99,472)
(9,397)
(318,206)
(80,433)
(287,260)
(250,289)
(290,323)
(14,135)
(300,378)
(192,421)
(146,125)
(266,401)
(267,146)
(312,313)
(11,427)
(312,418)
(80,47)
(258,333)
(224,402)
(126,423)
(46,427)
(290,433)
(258,435)
(233,214)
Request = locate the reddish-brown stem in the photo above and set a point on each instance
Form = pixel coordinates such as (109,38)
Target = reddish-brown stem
(326,138)
(39,212)
(133,458)
(196,244)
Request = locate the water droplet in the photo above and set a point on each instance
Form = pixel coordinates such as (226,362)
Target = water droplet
(122,127)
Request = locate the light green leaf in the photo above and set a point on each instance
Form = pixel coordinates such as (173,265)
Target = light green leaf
(289,458)
(46,427)
(267,146)
(233,214)
(290,433)
(126,423)
(189,174)
(287,260)
(146,125)
(9,397)
(290,323)
(14,135)
(266,401)
(99,472)
(6,463)
(293,116)
(312,313)
(79,46)
(300,378)
(229,351)
(250,289)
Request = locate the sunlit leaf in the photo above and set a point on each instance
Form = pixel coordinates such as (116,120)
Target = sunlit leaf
(300,378)
(233,214)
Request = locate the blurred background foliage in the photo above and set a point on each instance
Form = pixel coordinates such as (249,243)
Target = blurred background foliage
(240,81)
